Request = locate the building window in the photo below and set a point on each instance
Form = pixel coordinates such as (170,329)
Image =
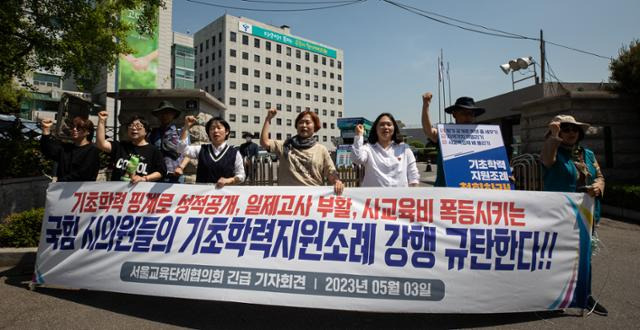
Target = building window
(206,46)
(288,122)
(307,96)
(256,58)
(279,107)
(213,41)
(315,58)
(339,65)
(315,84)
(298,95)
(315,72)
(43,79)
(289,109)
(298,53)
(267,75)
(324,138)
(267,60)
(256,42)
(324,73)
(339,114)
(324,99)
(288,93)
(315,98)
(232,36)
(206,59)
(278,77)
(306,69)
(332,100)
(331,88)
(267,105)
(288,79)
(333,114)
(288,51)
(340,103)
(333,126)
(298,81)
(278,49)
(245,102)
(256,88)
(298,109)
(232,117)
(306,56)
(245,55)
(324,112)
(267,90)
(279,121)
(245,71)
(278,136)
(256,120)
(245,118)
(232,85)
(278,92)
(339,77)
(307,83)
(267,45)
(331,75)
(256,104)
(232,134)
(298,67)
(289,65)
(331,63)
(339,89)
(256,73)
(245,87)
(245,39)
(279,63)
(324,87)
(324,61)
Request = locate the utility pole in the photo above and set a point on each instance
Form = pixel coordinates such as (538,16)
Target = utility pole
(542,57)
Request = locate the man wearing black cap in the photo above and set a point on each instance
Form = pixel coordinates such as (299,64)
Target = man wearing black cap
(166,139)
(248,149)
(464,111)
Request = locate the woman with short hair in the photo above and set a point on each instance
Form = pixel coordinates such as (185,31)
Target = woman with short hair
(303,161)
(150,162)
(388,162)
(76,161)
(218,162)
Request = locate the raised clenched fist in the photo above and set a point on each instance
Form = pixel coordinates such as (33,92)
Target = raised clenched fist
(359,129)
(271,113)
(189,121)
(426,98)
(103,115)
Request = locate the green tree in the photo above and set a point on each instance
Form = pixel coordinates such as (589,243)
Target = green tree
(79,37)
(625,70)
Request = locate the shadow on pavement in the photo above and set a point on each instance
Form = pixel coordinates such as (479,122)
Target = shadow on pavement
(206,314)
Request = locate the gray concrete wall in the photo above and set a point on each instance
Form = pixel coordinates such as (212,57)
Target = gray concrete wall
(17,195)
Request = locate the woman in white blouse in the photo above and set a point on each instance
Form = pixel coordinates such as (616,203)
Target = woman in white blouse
(387,160)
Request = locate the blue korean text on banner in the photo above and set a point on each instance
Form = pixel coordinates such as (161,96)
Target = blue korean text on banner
(474,156)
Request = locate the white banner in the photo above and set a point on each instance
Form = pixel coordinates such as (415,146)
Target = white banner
(414,250)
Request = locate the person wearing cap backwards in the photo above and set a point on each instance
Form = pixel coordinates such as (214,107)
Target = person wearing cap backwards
(570,167)
(464,111)
(166,138)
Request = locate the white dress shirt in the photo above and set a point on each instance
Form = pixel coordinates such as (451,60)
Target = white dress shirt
(394,166)
(192,152)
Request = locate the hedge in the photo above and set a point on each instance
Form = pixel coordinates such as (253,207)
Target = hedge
(21,229)
(623,195)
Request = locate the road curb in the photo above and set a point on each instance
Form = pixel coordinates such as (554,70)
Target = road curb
(23,257)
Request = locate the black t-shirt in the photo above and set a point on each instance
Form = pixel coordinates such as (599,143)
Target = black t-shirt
(151,159)
(74,163)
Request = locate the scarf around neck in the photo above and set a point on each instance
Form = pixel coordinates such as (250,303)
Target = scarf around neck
(297,143)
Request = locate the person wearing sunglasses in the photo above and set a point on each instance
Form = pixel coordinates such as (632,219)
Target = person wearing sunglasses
(76,161)
(570,167)
(150,166)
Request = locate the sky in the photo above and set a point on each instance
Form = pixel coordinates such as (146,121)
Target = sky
(391,54)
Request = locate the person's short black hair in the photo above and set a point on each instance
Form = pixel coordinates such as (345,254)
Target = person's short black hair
(142,120)
(221,121)
(245,134)
(373,135)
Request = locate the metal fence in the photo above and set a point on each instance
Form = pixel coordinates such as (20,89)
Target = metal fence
(263,171)
(527,171)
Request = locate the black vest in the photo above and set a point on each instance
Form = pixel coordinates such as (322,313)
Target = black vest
(211,168)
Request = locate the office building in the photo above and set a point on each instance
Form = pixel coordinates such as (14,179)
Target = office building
(251,66)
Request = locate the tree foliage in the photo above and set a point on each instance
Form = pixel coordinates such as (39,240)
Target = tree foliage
(625,70)
(79,37)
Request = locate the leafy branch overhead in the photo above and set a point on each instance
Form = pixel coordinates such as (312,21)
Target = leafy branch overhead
(80,38)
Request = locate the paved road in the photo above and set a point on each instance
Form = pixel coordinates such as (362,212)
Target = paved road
(615,283)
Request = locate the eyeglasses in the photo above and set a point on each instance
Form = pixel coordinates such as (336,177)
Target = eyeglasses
(77,128)
(136,126)
(569,128)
